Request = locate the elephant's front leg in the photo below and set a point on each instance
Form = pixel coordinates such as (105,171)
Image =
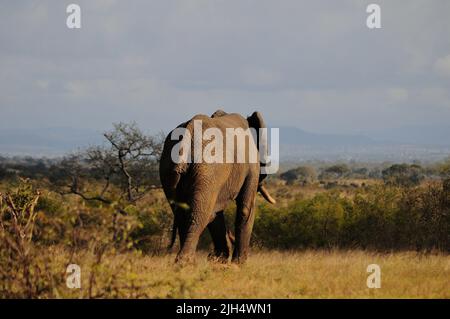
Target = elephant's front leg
(218,231)
(245,217)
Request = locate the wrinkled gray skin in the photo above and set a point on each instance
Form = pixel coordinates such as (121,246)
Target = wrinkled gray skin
(198,193)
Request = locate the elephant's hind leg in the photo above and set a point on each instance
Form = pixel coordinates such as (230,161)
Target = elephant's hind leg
(218,231)
(245,217)
(198,219)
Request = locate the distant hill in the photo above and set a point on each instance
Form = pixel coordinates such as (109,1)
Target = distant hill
(296,136)
(53,141)
(417,135)
(402,144)
(397,145)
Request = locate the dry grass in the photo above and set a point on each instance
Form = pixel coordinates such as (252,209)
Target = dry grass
(267,274)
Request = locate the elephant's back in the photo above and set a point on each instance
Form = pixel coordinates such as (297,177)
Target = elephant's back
(232,120)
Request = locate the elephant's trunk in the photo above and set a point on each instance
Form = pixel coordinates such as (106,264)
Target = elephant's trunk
(266,194)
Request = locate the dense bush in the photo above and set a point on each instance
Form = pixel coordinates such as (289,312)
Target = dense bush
(302,174)
(35,223)
(335,171)
(381,218)
(376,217)
(22,270)
(403,175)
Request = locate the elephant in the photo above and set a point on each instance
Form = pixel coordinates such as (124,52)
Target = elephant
(198,192)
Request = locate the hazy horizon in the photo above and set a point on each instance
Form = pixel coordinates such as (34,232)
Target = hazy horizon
(296,145)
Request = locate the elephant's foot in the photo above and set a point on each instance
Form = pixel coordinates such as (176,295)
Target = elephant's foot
(239,258)
(185,259)
(221,257)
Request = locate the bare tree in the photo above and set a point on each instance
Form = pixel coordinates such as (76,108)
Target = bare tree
(121,171)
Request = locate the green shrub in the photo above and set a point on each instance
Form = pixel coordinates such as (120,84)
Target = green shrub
(403,175)
(377,217)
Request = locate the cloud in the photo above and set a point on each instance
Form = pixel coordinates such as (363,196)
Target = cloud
(308,64)
(42,84)
(442,66)
(260,77)
(398,94)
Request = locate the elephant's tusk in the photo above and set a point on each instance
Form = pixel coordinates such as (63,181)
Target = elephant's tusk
(266,194)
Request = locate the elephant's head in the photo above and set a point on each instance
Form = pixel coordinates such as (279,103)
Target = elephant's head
(256,121)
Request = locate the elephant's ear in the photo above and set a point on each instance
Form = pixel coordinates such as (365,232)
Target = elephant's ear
(256,120)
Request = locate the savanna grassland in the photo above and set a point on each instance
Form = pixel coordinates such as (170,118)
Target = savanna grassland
(309,251)
(269,274)
(330,222)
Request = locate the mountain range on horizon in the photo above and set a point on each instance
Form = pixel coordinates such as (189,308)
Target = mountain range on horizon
(57,141)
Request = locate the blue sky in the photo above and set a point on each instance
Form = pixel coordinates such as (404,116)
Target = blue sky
(309,64)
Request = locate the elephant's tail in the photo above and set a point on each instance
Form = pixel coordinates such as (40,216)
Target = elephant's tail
(231,237)
(173,236)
